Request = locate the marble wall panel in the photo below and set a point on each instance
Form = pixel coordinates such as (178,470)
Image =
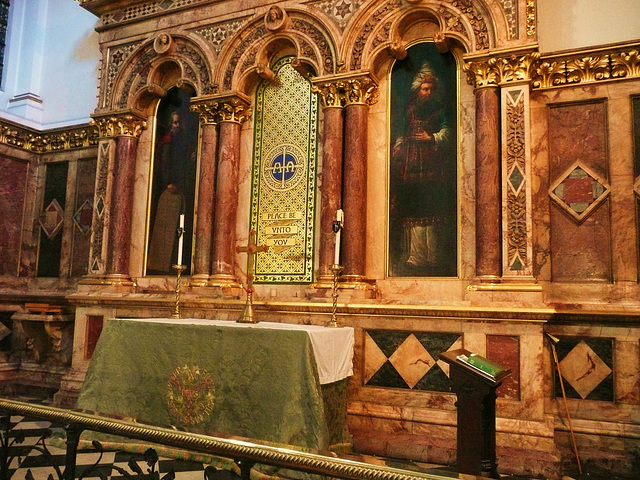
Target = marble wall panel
(13,186)
(505,349)
(577,133)
(82,216)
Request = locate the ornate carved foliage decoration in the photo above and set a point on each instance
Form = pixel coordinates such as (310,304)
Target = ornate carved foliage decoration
(313,44)
(458,18)
(140,11)
(134,73)
(553,71)
(46,142)
(515,182)
(348,91)
(119,125)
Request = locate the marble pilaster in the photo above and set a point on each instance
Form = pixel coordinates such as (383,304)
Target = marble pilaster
(488,197)
(331,187)
(206,192)
(359,94)
(232,114)
(126,129)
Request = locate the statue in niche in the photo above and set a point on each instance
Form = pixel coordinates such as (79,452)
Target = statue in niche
(423,164)
(174,180)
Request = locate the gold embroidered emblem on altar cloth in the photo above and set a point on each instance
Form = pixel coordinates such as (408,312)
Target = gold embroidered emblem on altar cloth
(190,394)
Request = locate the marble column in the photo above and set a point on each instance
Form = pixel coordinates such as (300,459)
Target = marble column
(359,94)
(126,129)
(206,192)
(232,114)
(331,187)
(488,193)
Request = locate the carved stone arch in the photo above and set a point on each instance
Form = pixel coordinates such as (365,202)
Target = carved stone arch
(153,69)
(382,27)
(255,45)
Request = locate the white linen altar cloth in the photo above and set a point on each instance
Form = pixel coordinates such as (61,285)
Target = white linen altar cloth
(332,347)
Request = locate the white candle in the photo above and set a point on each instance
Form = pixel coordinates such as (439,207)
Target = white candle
(339,219)
(180,239)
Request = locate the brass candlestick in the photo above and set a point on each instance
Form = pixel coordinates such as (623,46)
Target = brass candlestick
(176,308)
(336,269)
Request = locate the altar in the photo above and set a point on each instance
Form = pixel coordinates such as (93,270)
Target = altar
(273,382)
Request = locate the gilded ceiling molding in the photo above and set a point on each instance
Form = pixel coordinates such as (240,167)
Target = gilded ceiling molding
(71,138)
(209,111)
(119,125)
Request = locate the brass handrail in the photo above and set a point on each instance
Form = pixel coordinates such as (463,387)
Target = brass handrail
(243,452)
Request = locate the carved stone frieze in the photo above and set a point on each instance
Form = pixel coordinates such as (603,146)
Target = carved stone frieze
(531,17)
(554,71)
(517,259)
(100,210)
(312,32)
(119,125)
(252,37)
(217,34)
(473,16)
(44,142)
(587,69)
(369,27)
(193,63)
(137,12)
(340,11)
(510,9)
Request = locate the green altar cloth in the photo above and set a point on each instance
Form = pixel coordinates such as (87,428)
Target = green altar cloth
(258,383)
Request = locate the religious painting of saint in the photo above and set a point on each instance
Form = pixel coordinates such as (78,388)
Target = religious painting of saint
(173,183)
(423,165)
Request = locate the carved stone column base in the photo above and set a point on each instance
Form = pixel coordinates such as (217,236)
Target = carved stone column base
(323,282)
(506,284)
(223,280)
(199,280)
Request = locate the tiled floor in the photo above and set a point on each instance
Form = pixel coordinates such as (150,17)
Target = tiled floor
(33,457)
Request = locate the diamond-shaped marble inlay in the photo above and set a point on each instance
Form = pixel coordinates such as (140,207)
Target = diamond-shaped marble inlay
(84,216)
(51,219)
(516,178)
(583,369)
(100,206)
(579,191)
(374,357)
(411,360)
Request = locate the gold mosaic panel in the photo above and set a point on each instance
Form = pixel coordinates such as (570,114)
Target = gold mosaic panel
(283,180)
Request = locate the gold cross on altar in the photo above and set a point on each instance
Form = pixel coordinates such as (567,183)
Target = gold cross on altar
(252,250)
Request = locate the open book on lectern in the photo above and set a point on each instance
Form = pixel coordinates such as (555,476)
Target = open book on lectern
(484,366)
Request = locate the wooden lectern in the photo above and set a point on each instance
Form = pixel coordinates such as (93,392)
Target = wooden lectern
(475,379)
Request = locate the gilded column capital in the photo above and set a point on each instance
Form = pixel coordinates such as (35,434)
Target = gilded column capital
(234,109)
(209,111)
(360,91)
(482,74)
(501,70)
(122,125)
(330,93)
